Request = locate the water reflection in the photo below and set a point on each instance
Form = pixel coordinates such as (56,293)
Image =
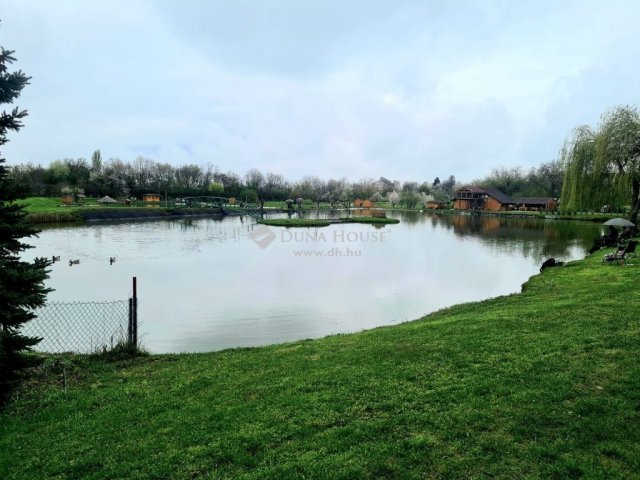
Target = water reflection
(530,237)
(206,284)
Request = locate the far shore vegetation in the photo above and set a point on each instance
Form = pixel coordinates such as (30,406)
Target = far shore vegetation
(295,222)
(42,210)
(312,222)
(371,219)
(597,171)
(541,384)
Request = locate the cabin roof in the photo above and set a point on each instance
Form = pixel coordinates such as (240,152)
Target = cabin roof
(498,195)
(492,192)
(471,188)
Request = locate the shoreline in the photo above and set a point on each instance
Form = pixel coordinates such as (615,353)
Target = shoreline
(134,213)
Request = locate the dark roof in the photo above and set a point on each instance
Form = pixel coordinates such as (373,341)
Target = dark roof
(385,180)
(492,192)
(498,195)
(533,200)
(472,189)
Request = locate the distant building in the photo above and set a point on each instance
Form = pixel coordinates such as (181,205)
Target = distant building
(482,198)
(537,204)
(383,185)
(150,197)
(70,199)
(436,205)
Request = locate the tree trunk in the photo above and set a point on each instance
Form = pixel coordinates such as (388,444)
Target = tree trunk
(635,201)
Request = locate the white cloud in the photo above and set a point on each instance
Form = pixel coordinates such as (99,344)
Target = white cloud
(408,90)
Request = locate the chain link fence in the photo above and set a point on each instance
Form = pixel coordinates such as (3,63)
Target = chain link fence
(83,327)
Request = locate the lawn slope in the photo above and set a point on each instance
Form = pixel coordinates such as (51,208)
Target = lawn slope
(545,384)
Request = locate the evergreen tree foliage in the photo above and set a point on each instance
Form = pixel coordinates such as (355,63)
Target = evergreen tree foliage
(21,283)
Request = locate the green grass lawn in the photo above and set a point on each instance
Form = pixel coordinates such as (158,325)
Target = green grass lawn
(313,222)
(295,222)
(51,210)
(378,220)
(543,384)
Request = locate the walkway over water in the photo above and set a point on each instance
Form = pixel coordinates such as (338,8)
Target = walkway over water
(205,201)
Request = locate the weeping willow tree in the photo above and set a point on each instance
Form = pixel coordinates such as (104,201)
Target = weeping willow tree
(578,158)
(602,167)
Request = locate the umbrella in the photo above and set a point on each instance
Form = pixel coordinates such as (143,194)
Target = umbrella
(619,222)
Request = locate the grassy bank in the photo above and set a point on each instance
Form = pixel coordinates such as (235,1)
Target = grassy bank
(311,222)
(544,384)
(584,217)
(49,210)
(42,210)
(295,222)
(373,220)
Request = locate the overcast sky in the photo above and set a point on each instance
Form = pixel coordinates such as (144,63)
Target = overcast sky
(405,89)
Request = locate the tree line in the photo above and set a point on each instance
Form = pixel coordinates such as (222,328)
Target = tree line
(114,177)
(543,181)
(118,178)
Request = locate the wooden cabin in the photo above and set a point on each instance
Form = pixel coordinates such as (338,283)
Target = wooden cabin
(482,198)
(536,204)
(436,205)
(150,197)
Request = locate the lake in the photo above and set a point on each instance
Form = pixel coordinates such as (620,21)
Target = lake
(212,283)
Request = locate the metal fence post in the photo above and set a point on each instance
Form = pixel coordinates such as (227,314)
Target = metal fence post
(135,312)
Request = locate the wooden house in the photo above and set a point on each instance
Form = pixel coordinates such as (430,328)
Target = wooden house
(436,205)
(150,197)
(536,204)
(482,198)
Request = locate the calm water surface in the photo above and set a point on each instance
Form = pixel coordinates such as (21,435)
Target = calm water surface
(208,284)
